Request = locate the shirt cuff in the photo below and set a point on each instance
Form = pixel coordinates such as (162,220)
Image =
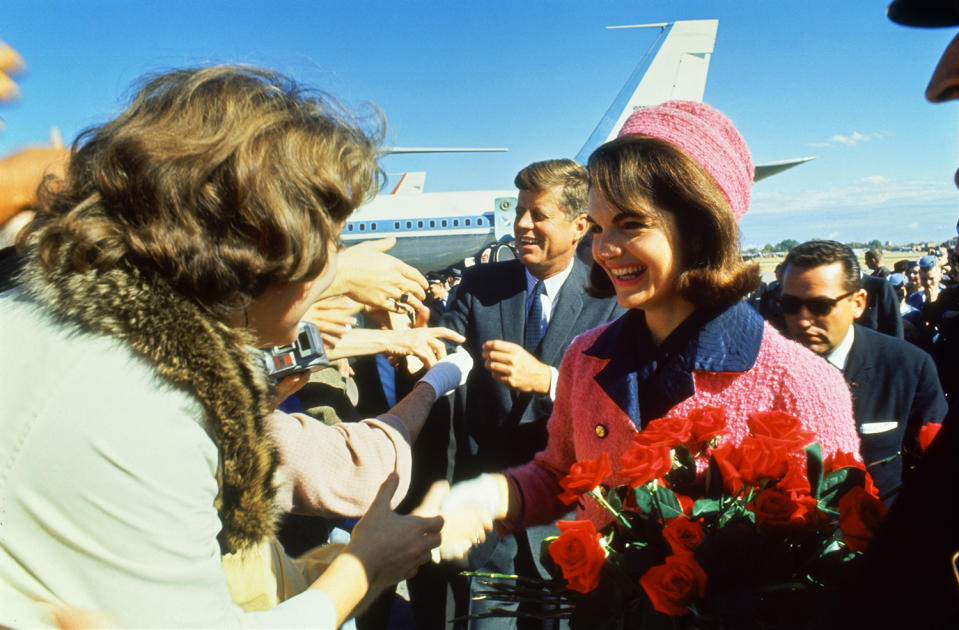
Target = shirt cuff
(553,378)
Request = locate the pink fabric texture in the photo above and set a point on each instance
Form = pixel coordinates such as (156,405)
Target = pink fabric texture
(336,470)
(707,136)
(785,377)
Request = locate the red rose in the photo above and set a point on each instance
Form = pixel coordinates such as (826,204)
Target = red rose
(671,431)
(776,509)
(673,586)
(870,486)
(780,426)
(584,476)
(796,480)
(927,433)
(708,423)
(683,535)
(840,459)
(761,458)
(642,463)
(686,503)
(859,516)
(579,554)
(727,459)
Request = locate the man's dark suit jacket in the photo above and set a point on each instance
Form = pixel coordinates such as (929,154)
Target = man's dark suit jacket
(891,380)
(501,427)
(882,307)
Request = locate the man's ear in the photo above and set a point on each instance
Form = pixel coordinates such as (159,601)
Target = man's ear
(859,301)
(580,226)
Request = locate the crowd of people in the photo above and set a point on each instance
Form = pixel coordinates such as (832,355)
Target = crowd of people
(154,475)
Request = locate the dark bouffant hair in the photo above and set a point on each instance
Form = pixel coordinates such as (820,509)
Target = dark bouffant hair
(813,254)
(642,175)
(219,180)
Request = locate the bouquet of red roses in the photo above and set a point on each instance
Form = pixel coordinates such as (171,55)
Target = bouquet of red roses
(762,539)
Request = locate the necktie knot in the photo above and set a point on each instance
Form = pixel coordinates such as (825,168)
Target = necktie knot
(534,319)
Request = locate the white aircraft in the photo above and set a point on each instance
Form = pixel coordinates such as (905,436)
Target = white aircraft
(436,230)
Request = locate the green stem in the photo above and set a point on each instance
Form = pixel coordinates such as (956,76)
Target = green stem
(616,513)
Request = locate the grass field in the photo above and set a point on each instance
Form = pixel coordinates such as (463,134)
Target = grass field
(768,265)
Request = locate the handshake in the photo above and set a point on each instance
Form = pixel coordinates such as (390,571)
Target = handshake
(468,510)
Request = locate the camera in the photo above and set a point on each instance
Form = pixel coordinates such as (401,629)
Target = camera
(306,354)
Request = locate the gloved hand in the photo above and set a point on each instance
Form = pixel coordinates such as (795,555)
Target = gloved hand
(468,511)
(449,372)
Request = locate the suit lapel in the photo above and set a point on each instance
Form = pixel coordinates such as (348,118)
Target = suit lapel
(566,309)
(513,307)
(858,365)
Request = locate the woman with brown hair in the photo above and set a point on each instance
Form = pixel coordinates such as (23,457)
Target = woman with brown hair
(199,224)
(664,200)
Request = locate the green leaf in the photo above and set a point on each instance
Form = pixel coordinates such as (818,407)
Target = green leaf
(814,468)
(705,508)
(644,499)
(668,503)
(547,560)
(838,483)
(615,500)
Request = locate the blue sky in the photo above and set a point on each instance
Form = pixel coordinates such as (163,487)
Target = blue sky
(832,79)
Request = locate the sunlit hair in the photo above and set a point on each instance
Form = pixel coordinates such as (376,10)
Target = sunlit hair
(572,176)
(812,254)
(219,180)
(649,177)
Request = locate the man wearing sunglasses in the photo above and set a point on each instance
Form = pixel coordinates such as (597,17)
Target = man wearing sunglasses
(895,387)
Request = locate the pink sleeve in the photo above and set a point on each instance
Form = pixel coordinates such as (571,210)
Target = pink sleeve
(817,394)
(534,487)
(336,470)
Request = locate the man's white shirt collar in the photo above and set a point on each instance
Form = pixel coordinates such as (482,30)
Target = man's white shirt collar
(840,354)
(553,284)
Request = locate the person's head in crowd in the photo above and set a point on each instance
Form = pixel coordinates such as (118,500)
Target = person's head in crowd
(822,294)
(550,215)
(229,184)
(930,272)
(913,281)
(437,286)
(453,277)
(898,282)
(873,258)
(901,266)
(664,201)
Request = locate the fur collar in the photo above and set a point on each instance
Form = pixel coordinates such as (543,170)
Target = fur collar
(190,349)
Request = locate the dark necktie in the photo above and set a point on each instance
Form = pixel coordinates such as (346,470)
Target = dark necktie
(534,320)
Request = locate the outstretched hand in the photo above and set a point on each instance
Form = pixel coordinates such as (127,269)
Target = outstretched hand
(462,528)
(392,547)
(369,275)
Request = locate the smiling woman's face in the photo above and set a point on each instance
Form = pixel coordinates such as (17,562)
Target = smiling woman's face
(638,253)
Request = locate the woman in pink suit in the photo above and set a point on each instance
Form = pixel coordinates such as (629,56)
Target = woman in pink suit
(664,202)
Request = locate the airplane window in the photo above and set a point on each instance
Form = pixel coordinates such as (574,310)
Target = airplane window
(432,223)
(349,227)
(396,225)
(456,222)
(419,224)
(467,222)
(372,226)
(479,221)
(362,227)
(409,225)
(443,223)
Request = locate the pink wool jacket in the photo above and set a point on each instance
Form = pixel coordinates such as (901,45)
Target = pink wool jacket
(613,379)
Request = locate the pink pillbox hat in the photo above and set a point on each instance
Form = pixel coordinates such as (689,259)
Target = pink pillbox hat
(707,136)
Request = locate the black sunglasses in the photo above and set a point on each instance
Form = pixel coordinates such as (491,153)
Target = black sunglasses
(818,306)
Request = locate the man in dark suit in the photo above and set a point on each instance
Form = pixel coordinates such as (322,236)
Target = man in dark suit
(518,317)
(895,387)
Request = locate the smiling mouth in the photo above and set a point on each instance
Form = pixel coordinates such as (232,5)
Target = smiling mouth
(626,275)
(527,241)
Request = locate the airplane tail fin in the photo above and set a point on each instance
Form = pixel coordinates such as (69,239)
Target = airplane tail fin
(675,67)
(412,182)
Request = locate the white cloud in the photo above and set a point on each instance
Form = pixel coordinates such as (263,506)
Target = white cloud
(849,141)
(833,235)
(873,191)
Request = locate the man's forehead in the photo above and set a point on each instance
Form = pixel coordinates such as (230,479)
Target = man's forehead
(821,277)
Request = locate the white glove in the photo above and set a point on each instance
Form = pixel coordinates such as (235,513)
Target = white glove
(467,512)
(449,372)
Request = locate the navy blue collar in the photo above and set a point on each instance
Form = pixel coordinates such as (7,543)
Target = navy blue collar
(647,380)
